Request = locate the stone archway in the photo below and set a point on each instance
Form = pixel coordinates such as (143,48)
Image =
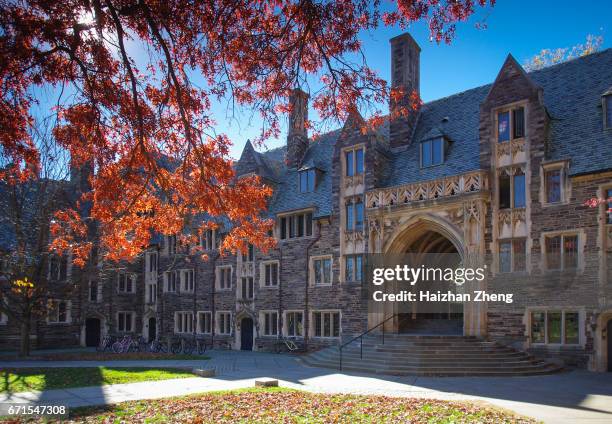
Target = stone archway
(430,233)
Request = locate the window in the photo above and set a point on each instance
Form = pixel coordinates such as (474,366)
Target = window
(151,293)
(126,321)
(126,282)
(207,239)
(170,281)
(518,189)
(58,268)
(270,323)
(94,292)
(518,122)
(562,251)
(307,180)
(298,225)
(204,322)
(354,214)
(607,103)
(555,327)
(608,205)
(295,324)
(183,322)
(503,126)
(270,274)
(187,281)
(511,124)
(512,255)
(246,288)
(353,268)
(224,323)
(322,271)
(553,185)
(58,311)
(249,254)
(326,324)
(432,152)
(3,318)
(511,189)
(224,277)
(171,244)
(152,263)
(354,162)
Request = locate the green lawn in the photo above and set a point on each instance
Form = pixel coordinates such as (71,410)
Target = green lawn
(27,379)
(277,405)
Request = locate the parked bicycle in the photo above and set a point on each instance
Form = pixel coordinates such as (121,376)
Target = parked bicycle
(287,345)
(125,345)
(106,345)
(158,347)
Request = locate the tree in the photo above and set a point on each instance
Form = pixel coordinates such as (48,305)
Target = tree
(28,209)
(548,57)
(136,79)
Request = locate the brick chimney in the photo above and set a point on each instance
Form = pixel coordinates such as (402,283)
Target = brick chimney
(405,70)
(297,137)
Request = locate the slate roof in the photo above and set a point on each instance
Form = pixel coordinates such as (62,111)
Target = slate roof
(287,195)
(572,95)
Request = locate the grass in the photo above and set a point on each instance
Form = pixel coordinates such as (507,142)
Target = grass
(27,379)
(272,405)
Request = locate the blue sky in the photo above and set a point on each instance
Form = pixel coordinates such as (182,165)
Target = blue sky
(519,27)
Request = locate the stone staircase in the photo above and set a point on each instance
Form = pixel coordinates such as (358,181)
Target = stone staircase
(428,355)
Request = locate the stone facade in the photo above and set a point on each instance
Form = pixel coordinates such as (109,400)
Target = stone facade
(461,201)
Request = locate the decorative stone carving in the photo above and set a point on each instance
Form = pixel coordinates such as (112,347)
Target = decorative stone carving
(353,181)
(429,190)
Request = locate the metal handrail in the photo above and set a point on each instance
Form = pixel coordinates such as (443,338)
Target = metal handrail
(361,338)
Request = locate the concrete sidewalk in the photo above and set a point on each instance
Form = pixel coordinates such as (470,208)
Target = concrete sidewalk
(570,397)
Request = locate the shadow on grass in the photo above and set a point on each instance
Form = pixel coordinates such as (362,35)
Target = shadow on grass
(14,380)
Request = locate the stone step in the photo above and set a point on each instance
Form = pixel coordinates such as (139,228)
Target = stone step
(458,370)
(475,359)
(430,355)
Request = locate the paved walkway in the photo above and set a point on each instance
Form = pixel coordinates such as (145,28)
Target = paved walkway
(570,397)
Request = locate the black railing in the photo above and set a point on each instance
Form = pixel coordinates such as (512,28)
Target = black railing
(360,337)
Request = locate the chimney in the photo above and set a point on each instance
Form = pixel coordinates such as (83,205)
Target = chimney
(297,137)
(405,70)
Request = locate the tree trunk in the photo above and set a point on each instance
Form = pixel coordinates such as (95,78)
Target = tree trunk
(24,345)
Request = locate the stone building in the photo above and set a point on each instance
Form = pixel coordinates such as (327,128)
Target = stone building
(502,171)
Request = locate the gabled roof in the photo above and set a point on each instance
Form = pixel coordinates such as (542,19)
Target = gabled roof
(287,196)
(572,96)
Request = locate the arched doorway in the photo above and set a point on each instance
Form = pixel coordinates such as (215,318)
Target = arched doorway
(152,331)
(434,250)
(93,328)
(432,241)
(246,334)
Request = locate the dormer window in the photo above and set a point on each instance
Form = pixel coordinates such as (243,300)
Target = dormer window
(607,110)
(307,180)
(511,124)
(432,152)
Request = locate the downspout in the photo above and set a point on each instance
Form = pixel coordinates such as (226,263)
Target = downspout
(306,314)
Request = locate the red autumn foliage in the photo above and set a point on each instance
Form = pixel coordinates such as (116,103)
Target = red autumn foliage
(138,78)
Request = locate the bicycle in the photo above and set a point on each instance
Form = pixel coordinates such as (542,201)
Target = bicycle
(285,344)
(125,345)
(157,347)
(106,344)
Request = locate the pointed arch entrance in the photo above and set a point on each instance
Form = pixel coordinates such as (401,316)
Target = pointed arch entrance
(439,243)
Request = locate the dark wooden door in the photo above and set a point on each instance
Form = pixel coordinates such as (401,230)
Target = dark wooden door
(609,338)
(152,329)
(246,334)
(92,332)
